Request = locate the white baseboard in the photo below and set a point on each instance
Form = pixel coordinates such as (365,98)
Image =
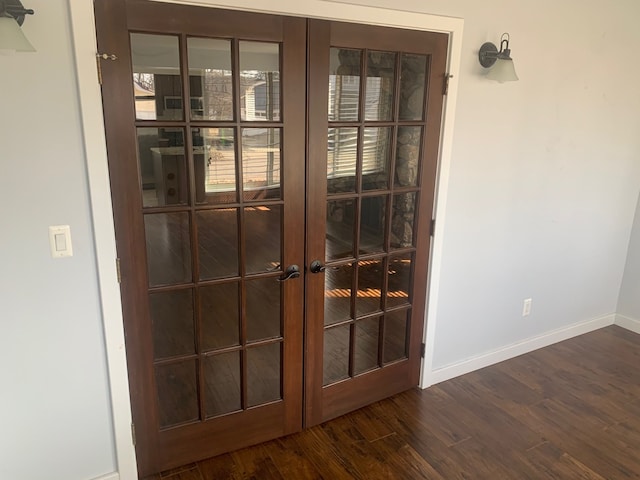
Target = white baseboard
(628,323)
(510,351)
(110,476)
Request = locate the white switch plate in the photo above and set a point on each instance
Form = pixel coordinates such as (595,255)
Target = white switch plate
(526,307)
(60,241)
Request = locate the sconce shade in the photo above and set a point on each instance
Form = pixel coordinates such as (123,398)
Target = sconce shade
(503,71)
(11,37)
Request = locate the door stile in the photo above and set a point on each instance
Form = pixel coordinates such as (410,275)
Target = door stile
(294,140)
(317,99)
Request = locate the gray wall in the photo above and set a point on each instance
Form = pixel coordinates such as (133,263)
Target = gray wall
(55,420)
(629,302)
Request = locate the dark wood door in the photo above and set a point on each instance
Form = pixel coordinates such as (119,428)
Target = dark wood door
(222,128)
(205,124)
(374,116)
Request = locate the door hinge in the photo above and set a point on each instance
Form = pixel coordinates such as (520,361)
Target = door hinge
(423,350)
(445,87)
(432,227)
(103,56)
(118,272)
(133,433)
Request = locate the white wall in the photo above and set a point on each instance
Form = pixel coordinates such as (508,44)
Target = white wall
(545,172)
(55,421)
(629,302)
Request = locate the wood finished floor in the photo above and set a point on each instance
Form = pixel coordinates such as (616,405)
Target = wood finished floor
(568,411)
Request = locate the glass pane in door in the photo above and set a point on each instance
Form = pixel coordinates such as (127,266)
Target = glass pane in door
(261,163)
(220,315)
(413,83)
(365,356)
(177,393)
(214,164)
(168,248)
(210,79)
(162,166)
(336,354)
(157,82)
(263,233)
(408,156)
(381,68)
(223,384)
(344,84)
(173,323)
(264,365)
(260,81)
(218,242)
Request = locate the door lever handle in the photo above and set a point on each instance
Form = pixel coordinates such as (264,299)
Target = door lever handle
(292,271)
(316,266)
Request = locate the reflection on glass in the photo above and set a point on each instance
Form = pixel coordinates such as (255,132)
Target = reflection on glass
(214,160)
(408,156)
(365,356)
(402,220)
(370,278)
(217,243)
(376,158)
(335,359)
(399,281)
(163,170)
(172,320)
(263,374)
(395,336)
(341,220)
(337,293)
(413,74)
(177,393)
(344,84)
(168,248)
(157,84)
(261,163)
(219,317)
(259,81)
(222,383)
(210,80)
(262,306)
(381,68)
(263,226)
(342,156)
(372,222)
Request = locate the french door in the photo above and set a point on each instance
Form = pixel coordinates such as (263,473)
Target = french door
(273,183)
(375,105)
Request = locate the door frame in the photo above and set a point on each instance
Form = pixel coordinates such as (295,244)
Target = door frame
(90,102)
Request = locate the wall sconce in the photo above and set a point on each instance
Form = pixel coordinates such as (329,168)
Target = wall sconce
(12,39)
(501,61)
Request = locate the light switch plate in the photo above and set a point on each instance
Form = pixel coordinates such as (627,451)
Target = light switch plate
(60,241)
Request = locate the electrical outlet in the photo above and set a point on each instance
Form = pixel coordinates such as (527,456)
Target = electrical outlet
(526,307)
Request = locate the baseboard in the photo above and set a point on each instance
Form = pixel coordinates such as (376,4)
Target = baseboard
(628,323)
(110,476)
(510,351)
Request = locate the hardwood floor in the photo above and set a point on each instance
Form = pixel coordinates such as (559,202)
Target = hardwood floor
(568,411)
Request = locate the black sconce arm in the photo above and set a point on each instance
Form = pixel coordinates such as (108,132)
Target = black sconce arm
(15,9)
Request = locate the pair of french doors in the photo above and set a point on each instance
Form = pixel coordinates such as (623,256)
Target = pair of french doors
(272,183)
